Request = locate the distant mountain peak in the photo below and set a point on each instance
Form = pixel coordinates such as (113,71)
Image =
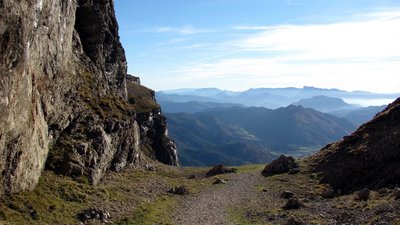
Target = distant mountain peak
(325,89)
(294,107)
(325,104)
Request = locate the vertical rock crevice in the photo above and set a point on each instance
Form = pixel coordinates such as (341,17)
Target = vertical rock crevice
(98,31)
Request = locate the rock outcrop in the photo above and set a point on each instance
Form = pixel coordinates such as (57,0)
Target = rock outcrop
(154,136)
(283,164)
(368,158)
(63,95)
(155,141)
(220,169)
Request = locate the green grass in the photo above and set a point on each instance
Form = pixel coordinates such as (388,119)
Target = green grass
(250,168)
(106,106)
(157,212)
(194,185)
(236,216)
(141,98)
(56,200)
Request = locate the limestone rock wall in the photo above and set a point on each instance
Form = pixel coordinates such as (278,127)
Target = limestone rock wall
(63,95)
(36,39)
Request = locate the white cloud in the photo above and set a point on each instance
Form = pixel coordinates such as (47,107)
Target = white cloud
(163,29)
(244,27)
(367,39)
(296,2)
(192,46)
(384,14)
(188,29)
(173,41)
(361,54)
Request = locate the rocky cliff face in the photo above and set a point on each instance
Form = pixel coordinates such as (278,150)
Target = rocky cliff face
(155,141)
(369,158)
(63,95)
(154,136)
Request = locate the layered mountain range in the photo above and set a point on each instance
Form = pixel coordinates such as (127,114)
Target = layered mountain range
(64,101)
(259,132)
(300,121)
(278,97)
(332,101)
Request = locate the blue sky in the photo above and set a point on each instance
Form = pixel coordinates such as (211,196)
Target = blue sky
(242,44)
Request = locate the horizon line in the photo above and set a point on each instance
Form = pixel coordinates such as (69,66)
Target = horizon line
(283,87)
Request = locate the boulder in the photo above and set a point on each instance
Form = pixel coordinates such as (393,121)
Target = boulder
(93,214)
(192,176)
(281,165)
(328,193)
(286,194)
(180,190)
(363,195)
(293,221)
(292,203)
(34,214)
(397,194)
(150,167)
(294,171)
(219,181)
(219,169)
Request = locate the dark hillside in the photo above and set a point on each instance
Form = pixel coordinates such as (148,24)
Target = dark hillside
(370,157)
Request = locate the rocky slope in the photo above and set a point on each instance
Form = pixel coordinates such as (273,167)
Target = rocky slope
(368,158)
(63,95)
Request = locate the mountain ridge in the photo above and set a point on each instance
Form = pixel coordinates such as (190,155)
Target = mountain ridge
(326,104)
(285,130)
(272,97)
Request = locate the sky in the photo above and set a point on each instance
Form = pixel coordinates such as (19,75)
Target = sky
(241,44)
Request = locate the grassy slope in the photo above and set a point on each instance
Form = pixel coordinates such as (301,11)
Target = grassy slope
(134,196)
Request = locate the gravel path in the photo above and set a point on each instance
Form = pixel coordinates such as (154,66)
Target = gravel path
(210,206)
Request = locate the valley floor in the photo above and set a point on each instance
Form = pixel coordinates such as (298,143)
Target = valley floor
(139,196)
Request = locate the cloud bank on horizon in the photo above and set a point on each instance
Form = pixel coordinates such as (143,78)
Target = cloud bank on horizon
(357,52)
